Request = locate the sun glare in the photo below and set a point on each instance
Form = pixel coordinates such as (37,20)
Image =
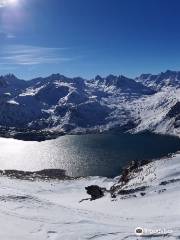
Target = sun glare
(12,2)
(4,3)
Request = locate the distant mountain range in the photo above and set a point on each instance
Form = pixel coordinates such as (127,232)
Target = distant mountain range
(48,107)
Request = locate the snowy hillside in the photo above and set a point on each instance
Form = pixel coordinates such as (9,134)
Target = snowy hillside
(51,209)
(57,105)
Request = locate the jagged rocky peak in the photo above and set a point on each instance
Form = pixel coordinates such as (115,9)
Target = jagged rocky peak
(110,78)
(171,75)
(128,85)
(56,76)
(10,76)
(114,80)
(144,76)
(6,79)
(11,84)
(168,78)
(98,78)
(11,79)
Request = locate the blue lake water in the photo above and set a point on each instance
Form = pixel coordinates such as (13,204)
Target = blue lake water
(85,155)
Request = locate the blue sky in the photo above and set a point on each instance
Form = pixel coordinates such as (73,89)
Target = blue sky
(89,37)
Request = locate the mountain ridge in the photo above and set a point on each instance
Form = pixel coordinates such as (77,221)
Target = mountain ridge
(57,104)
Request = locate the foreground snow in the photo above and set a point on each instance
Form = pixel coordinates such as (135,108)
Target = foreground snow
(51,210)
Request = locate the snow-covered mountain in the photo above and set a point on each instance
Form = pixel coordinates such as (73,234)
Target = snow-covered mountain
(160,81)
(58,104)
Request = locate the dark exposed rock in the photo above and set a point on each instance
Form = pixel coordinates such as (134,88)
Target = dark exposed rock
(118,189)
(89,114)
(51,94)
(13,198)
(132,190)
(162,190)
(46,174)
(28,135)
(123,128)
(133,166)
(175,110)
(128,196)
(169,181)
(95,191)
(127,175)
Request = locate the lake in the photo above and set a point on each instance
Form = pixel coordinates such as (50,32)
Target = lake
(85,155)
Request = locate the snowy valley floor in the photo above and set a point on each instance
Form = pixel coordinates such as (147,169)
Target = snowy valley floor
(51,210)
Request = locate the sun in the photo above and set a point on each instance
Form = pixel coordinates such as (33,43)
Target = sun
(12,2)
(5,3)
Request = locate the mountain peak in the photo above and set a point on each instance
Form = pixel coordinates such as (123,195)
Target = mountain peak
(144,75)
(55,76)
(111,76)
(170,72)
(9,76)
(98,78)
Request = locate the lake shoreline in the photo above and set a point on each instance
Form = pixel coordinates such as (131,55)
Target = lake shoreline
(60,174)
(44,135)
(85,155)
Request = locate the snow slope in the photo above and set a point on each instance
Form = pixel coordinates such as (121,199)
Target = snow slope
(159,113)
(51,210)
